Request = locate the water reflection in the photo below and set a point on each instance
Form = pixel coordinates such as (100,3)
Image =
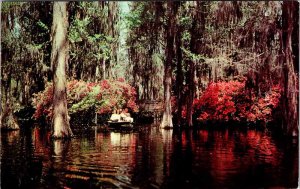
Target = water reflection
(150,158)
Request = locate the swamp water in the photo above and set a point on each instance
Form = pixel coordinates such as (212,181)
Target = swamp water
(148,158)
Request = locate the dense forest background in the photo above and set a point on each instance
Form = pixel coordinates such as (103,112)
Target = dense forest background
(167,51)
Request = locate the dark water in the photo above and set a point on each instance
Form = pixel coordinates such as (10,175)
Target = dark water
(149,158)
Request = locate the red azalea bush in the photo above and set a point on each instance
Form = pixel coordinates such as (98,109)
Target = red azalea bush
(224,101)
(101,96)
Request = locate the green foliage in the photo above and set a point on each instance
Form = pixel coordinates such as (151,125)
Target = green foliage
(43,25)
(25,42)
(88,101)
(6,6)
(133,18)
(145,42)
(78,30)
(185,21)
(93,37)
(192,56)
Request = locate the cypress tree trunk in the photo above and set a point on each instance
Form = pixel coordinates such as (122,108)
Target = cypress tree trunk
(59,60)
(191,93)
(290,80)
(195,46)
(179,77)
(167,115)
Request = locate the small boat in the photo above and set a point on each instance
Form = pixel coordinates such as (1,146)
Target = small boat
(120,124)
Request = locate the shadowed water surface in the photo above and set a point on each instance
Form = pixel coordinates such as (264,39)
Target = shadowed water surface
(148,158)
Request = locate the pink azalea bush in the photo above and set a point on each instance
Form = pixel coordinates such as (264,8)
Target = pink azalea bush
(228,100)
(103,97)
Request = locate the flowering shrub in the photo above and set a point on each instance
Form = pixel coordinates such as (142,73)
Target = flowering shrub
(226,101)
(102,97)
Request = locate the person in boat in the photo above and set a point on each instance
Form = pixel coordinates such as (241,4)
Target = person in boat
(115,116)
(125,115)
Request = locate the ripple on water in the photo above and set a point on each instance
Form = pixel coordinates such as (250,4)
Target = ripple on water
(151,158)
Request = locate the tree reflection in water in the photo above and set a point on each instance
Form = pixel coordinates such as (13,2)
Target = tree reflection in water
(150,158)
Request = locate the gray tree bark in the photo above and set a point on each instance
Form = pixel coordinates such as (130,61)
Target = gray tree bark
(59,60)
(167,115)
(290,94)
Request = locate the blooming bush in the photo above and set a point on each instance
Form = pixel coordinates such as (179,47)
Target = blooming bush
(226,101)
(102,97)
